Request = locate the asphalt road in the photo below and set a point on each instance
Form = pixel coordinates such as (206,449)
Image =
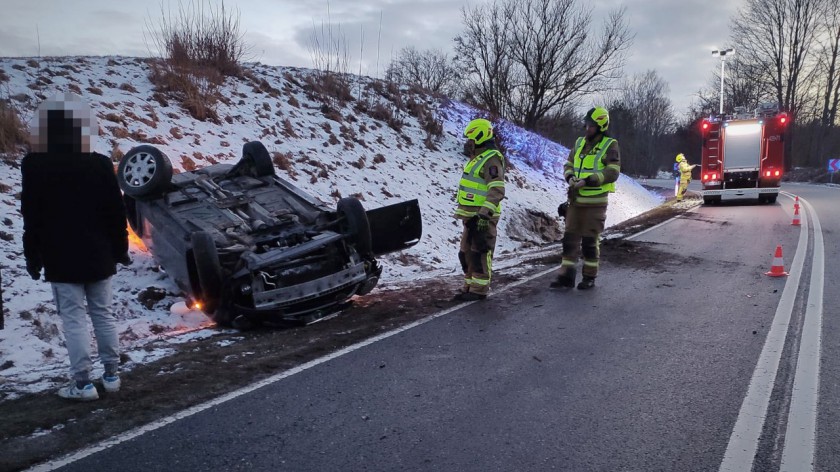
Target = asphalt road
(647,372)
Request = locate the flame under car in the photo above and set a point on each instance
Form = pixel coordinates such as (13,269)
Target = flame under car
(249,246)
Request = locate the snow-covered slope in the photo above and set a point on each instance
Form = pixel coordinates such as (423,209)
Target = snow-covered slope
(330,151)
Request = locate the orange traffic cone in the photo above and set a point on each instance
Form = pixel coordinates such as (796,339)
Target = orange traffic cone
(797,220)
(778,267)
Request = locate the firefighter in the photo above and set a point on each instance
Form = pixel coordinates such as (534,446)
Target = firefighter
(480,193)
(685,175)
(591,170)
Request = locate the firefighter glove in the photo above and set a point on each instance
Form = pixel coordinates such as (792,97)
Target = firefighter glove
(34,270)
(483,223)
(578,183)
(561,210)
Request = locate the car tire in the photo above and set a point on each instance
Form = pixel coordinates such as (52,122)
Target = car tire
(356,225)
(208,270)
(771,199)
(144,172)
(258,159)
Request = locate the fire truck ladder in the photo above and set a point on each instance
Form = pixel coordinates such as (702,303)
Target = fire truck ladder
(714,148)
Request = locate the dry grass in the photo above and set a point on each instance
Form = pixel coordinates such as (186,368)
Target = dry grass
(384,113)
(331,113)
(95,90)
(116,153)
(378,159)
(195,88)
(201,44)
(188,164)
(12,132)
(126,87)
(283,161)
(360,164)
(200,34)
(329,88)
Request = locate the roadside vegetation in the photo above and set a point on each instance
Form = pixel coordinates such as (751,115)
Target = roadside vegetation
(198,46)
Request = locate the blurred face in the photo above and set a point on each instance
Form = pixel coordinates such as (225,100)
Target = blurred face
(591,130)
(62,123)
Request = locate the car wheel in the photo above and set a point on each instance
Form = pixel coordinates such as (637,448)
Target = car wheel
(144,172)
(208,270)
(356,225)
(258,158)
(772,199)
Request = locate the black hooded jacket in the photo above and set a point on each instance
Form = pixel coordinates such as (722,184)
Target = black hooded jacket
(73,216)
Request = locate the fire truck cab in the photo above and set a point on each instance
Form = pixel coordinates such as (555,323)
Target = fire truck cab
(743,154)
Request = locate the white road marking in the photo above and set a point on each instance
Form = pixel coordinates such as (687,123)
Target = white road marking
(642,233)
(129,435)
(743,443)
(800,437)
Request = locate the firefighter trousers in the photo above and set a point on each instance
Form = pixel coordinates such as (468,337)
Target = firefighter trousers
(476,256)
(683,188)
(584,225)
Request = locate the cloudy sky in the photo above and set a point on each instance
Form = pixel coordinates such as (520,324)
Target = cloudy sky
(674,37)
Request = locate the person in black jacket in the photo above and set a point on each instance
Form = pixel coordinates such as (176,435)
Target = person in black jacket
(75,231)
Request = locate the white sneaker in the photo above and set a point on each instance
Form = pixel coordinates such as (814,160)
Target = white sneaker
(111,383)
(85,394)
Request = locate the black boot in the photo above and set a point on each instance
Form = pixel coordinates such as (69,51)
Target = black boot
(472,296)
(586,283)
(566,279)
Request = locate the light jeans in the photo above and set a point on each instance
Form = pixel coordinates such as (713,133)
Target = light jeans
(70,302)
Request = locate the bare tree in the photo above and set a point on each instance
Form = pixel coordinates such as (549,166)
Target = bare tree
(744,86)
(484,54)
(527,59)
(431,69)
(776,36)
(643,117)
(829,65)
(559,57)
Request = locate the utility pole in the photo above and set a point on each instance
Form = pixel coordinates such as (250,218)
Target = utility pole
(722,53)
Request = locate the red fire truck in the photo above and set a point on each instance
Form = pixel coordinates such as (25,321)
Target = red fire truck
(743,154)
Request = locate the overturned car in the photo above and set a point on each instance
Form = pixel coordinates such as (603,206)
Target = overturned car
(248,246)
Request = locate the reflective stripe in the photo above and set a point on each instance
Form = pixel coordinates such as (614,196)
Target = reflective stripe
(473,190)
(482,282)
(470,178)
(603,199)
(567,263)
(614,167)
(469,214)
(496,183)
(490,206)
(590,263)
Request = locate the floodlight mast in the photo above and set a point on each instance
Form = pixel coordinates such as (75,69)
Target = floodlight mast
(722,53)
